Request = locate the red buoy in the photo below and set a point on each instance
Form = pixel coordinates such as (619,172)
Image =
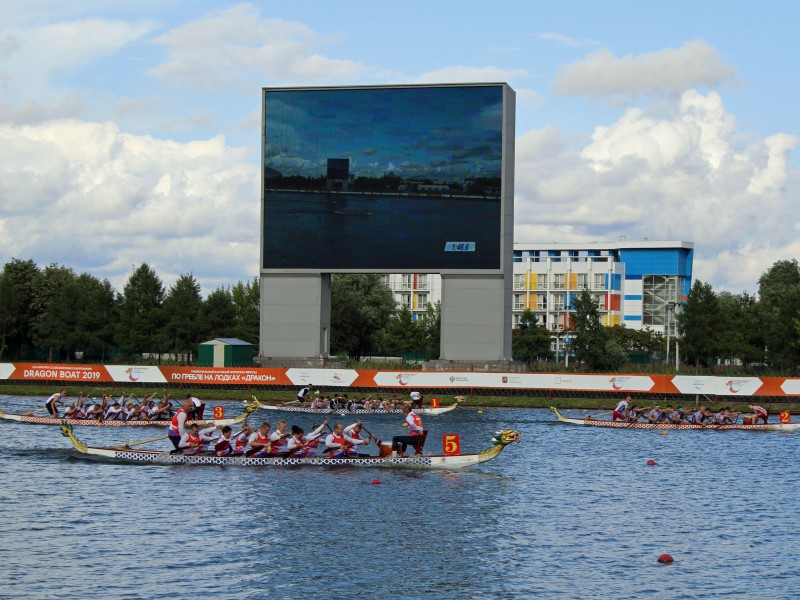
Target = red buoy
(651,463)
(376,481)
(665,559)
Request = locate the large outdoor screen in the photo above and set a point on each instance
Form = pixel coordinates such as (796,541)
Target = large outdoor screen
(383,179)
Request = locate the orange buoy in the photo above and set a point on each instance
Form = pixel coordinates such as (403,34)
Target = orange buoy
(665,559)
(376,482)
(651,463)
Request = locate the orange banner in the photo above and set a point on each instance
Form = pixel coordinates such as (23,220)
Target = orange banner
(225,376)
(66,373)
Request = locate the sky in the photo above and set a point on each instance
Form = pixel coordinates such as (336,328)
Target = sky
(130,132)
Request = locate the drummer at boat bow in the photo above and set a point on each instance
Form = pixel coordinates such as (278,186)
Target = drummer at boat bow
(53,400)
(415,431)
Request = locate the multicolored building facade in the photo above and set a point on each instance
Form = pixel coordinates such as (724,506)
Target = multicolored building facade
(636,284)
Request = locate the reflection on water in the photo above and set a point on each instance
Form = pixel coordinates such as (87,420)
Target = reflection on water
(570,513)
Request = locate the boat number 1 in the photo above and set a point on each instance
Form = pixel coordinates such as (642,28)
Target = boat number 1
(451,444)
(219,412)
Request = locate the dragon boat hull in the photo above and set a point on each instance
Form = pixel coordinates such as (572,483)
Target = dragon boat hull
(426,462)
(786,427)
(115,423)
(360,411)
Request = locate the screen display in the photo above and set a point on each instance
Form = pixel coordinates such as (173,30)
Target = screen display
(383,179)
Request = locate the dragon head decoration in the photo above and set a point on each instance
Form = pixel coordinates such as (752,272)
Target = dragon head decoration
(66,431)
(505,437)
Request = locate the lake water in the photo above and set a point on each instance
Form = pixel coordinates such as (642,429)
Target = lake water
(571,512)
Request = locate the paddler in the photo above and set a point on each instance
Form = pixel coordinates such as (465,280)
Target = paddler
(302,446)
(223,444)
(177,426)
(192,442)
(415,431)
(241,440)
(354,431)
(621,412)
(760,413)
(339,444)
(198,407)
(259,441)
(279,438)
(54,400)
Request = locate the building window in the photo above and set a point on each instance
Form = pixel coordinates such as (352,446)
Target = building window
(517,320)
(583,281)
(422,301)
(385,281)
(599,281)
(601,302)
(422,282)
(558,301)
(659,298)
(406,282)
(541,282)
(519,281)
(558,281)
(541,301)
(519,301)
(405,300)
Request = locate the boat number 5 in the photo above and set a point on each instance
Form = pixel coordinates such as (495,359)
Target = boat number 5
(451,444)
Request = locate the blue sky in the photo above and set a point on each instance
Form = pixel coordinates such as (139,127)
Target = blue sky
(129,132)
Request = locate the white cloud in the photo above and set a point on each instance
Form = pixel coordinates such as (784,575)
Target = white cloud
(566,40)
(104,199)
(222,48)
(680,175)
(670,71)
(467,74)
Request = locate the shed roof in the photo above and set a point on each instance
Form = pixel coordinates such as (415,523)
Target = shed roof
(228,342)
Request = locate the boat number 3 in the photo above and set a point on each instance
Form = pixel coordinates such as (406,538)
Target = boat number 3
(219,412)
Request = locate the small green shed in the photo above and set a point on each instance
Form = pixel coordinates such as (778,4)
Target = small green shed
(225,352)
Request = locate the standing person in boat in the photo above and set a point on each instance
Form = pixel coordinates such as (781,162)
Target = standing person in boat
(54,400)
(339,444)
(760,413)
(198,407)
(177,426)
(415,431)
(416,399)
(302,395)
(621,411)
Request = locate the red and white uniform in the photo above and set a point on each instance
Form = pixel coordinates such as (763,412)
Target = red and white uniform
(761,413)
(257,438)
(241,441)
(178,424)
(621,412)
(341,445)
(194,444)
(414,423)
(278,442)
(306,446)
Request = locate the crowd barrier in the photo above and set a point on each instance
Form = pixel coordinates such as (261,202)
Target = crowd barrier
(402,380)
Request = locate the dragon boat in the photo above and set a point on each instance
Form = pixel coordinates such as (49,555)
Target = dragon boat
(426,462)
(590,422)
(249,408)
(428,410)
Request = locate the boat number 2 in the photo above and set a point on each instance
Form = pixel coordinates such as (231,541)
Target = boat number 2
(451,444)
(786,417)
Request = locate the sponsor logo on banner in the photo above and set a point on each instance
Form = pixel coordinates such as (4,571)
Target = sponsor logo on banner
(78,373)
(136,374)
(404,378)
(618,382)
(735,385)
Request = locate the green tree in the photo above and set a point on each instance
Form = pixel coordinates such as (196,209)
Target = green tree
(141,317)
(23,277)
(530,341)
(183,309)
(96,317)
(56,302)
(779,295)
(699,325)
(431,330)
(219,314)
(360,308)
(740,336)
(588,338)
(246,299)
(400,335)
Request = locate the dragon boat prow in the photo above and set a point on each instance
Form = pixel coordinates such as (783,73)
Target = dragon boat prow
(424,462)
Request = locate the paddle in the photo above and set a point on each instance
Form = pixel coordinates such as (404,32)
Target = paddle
(30,413)
(608,412)
(155,439)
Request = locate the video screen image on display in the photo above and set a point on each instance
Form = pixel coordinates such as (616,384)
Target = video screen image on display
(383,179)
